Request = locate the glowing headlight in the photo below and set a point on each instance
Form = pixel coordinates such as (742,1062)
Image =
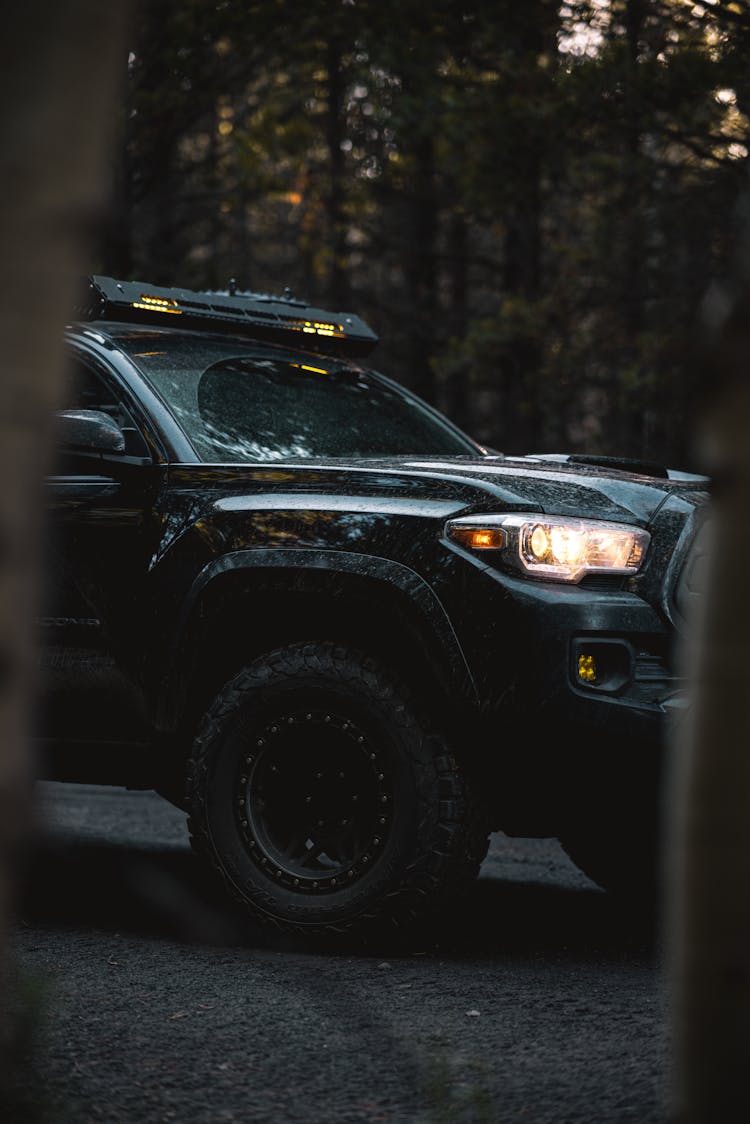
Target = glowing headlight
(553,547)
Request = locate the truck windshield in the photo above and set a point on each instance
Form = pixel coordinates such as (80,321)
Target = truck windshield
(243,402)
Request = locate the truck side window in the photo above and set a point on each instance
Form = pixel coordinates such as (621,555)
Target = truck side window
(86,389)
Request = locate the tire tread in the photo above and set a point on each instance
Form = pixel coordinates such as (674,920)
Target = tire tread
(449,852)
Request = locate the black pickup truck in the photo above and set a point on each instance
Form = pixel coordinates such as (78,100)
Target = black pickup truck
(349,641)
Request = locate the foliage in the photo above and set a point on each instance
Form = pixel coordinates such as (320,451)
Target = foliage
(527,201)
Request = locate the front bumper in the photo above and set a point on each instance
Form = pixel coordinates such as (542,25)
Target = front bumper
(576,689)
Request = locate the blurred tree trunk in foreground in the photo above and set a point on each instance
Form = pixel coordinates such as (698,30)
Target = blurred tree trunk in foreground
(708,864)
(60,69)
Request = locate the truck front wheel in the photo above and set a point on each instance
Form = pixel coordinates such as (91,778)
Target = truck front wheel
(323,798)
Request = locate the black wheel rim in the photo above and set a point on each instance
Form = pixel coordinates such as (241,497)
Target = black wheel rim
(314,800)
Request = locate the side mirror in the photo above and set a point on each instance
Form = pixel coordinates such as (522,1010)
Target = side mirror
(89,429)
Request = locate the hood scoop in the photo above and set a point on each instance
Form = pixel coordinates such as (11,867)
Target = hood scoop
(625,464)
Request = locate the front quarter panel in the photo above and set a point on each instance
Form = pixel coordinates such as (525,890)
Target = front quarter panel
(388,541)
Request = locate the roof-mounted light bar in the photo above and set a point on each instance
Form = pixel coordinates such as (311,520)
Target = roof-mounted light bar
(254,314)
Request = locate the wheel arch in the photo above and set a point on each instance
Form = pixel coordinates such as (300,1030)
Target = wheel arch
(248,602)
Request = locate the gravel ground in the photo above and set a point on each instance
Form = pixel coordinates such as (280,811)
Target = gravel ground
(540,1003)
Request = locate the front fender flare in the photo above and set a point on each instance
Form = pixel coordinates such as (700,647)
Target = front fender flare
(376,570)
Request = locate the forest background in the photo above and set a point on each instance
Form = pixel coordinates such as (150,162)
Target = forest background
(535,204)
(528,201)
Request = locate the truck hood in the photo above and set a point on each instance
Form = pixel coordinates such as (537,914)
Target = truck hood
(550,484)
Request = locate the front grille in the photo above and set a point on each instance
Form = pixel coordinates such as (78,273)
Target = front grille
(653,677)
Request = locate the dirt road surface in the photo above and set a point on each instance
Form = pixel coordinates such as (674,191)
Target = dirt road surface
(539,1002)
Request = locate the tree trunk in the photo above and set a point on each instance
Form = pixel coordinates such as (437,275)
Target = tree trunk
(60,68)
(420,264)
(708,860)
(338,277)
(631,426)
(632,197)
(535,40)
(521,284)
(455,395)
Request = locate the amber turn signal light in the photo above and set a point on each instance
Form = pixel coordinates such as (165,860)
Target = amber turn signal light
(478,538)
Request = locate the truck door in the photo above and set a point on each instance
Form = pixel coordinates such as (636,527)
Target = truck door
(99,535)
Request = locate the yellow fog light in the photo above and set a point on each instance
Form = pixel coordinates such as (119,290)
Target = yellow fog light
(586,669)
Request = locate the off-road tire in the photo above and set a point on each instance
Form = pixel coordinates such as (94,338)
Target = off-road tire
(314,729)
